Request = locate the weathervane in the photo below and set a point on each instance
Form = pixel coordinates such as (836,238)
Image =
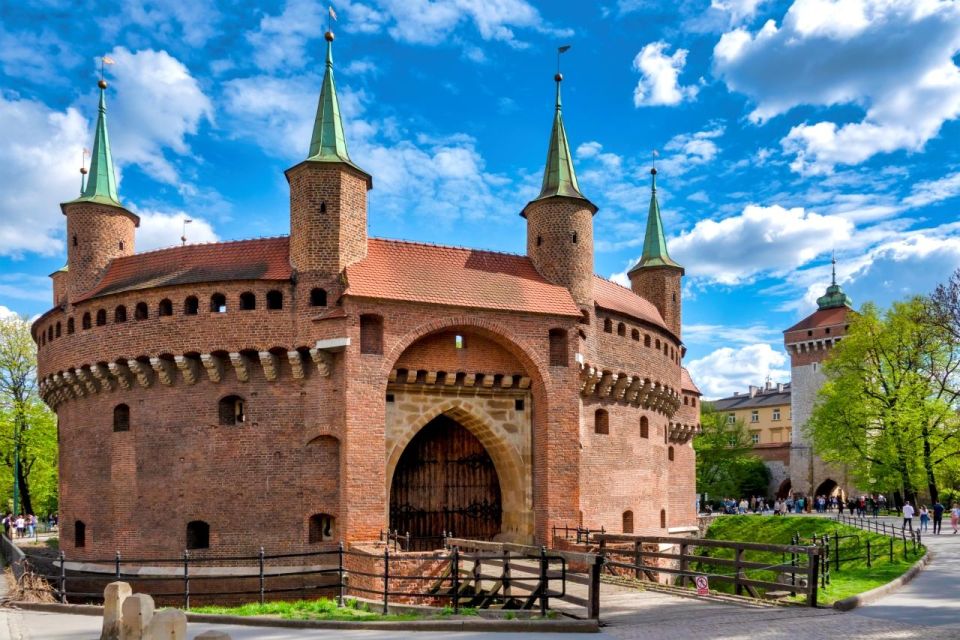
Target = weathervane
(183,238)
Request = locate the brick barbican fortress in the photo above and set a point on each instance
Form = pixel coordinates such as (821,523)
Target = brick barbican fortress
(292,392)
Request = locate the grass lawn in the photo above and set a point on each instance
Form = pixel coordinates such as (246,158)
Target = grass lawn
(322,609)
(853,576)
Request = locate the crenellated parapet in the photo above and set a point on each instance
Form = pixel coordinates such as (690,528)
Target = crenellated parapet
(634,390)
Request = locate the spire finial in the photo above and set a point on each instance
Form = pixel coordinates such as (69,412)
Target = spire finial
(833,263)
(101,185)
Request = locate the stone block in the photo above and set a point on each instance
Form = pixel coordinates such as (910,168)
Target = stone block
(113,596)
(136,614)
(169,624)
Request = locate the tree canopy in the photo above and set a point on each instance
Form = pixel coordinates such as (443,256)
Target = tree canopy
(725,465)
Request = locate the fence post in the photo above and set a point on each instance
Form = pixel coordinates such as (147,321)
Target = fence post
(63,578)
(408,542)
(543,582)
(117,565)
(836,551)
(868,553)
(386,577)
(186,580)
(891,549)
(593,606)
(261,575)
(903,536)
(683,565)
(738,558)
(455,574)
(814,560)
(636,560)
(340,584)
(505,576)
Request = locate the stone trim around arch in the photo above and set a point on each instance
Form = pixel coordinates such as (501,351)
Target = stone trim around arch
(506,450)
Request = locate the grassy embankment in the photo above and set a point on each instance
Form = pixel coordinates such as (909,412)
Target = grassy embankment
(323,609)
(852,578)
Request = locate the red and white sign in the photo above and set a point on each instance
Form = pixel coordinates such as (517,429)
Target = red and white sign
(703,588)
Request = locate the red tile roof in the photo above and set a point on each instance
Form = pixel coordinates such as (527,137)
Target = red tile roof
(822,318)
(613,297)
(258,259)
(415,272)
(686,382)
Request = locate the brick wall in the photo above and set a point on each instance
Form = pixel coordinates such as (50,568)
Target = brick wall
(560,244)
(96,234)
(662,287)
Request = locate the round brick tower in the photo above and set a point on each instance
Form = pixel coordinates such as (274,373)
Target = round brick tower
(560,220)
(99,228)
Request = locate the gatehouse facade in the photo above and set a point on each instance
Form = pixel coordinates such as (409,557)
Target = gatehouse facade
(298,391)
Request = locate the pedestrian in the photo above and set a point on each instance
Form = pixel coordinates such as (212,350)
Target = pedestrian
(955,516)
(21,526)
(938,510)
(924,517)
(907,516)
(840,507)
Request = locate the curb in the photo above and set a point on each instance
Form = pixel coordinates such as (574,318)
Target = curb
(868,597)
(481,625)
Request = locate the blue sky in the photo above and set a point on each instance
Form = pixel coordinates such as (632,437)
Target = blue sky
(786,130)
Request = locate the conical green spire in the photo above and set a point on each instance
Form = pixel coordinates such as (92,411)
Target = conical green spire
(559,177)
(328,143)
(102,182)
(655,243)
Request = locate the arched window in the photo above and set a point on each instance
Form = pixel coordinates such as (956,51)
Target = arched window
(50,332)
(644,427)
(670,454)
(218,303)
(70,327)
(693,402)
(120,314)
(57,333)
(318,297)
(635,334)
(79,534)
(321,528)
(621,329)
(371,334)
(191,306)
(628,521)
(666,349)
(658,344)
(558,347)
(165,308)
(231,411)
(101,317)
(198,535)
(646,340)
(601,421)
(43,338)
(121,418)
(607,325)
(86,320)
(274,299)
(140,312)
(686,400)
(663,518)
(248,301)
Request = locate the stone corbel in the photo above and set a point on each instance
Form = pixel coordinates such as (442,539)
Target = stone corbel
(469,379)
(449,378)
(296,364)
(506,382)
(524,382)
(241,366)
(488,380)
(164,369)
(270,364)
(595,376)
(622,383)
(606,383)
(586,375)
(102,374)
(74,384)
(630,395)
(411,376)
(189,368)
(213,365)
(431,377)
(323,360)
(392,378)
(143,373)
(122,373)
(83,375)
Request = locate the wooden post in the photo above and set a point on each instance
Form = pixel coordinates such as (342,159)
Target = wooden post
(386,578)
(891,549)
(455,574)
(505,576)
(117,567)
(683,564)
(868,553)
(340,584)
(836,551)
(63,578)
(593,606)
(261,576)
(637,558)
(738,558)
(814,561)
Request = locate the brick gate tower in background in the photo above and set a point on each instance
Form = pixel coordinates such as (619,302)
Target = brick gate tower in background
(809,343)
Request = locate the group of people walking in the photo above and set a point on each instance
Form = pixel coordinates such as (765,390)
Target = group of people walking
(20,526)
(925,516)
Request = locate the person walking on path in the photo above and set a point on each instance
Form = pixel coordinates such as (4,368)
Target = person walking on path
(938,510)
(907,516)
(955,516)
(924,518)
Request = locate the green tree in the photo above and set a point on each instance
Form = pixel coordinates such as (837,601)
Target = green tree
(725,466)
(27,426)
(887,410)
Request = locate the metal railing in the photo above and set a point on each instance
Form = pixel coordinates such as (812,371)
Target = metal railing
(577,535)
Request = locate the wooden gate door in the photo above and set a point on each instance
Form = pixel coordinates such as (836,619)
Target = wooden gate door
(445,481)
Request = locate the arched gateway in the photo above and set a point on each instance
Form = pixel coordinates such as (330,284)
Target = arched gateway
(445,481)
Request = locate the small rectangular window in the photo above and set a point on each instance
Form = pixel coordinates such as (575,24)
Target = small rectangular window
(518,404)
(754,416)
(755,438)
(731,418)
(389,397)
(776,414)
(458,342)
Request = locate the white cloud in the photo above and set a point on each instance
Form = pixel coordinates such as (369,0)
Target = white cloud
(156,105)
(931,191)
(26,286)
(361,67)
(723,14)
(702,334)
(688,150)
(432,22)
(6,312)
(41,150)
(192,22)
(659,82)
(281,40)
(161,229)
(893,59)
(761,240)
(727,370)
